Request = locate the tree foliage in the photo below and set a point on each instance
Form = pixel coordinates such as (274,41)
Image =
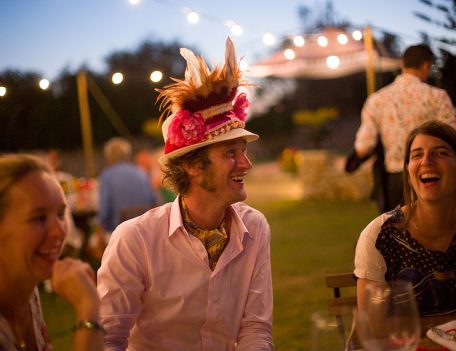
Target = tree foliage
(442,14)
(35,119)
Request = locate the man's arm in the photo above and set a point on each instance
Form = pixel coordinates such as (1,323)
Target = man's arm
(120,287)
(255,333)
(367,134)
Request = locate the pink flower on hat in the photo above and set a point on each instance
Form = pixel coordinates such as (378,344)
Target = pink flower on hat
(186,128)
(239,107)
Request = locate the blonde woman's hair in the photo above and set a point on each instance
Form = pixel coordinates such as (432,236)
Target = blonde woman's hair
(14,167)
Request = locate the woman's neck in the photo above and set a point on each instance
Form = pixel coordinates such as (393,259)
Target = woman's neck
(14,294)
(434,226)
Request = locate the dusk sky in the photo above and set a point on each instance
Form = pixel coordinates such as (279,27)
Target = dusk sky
(48,35)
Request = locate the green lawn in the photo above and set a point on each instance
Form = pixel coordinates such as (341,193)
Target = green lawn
(309,239)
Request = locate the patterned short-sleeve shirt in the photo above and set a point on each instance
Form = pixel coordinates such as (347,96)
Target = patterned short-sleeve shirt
(395,110)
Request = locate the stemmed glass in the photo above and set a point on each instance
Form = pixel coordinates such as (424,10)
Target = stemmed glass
(390,319)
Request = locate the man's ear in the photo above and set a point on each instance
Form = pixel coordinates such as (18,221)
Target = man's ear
(192,169)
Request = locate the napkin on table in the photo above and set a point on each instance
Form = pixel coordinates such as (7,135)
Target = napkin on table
(444,334)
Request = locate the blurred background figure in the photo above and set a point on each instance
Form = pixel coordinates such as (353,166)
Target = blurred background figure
(392,112)
(148,161)
(32,231)
(125,189)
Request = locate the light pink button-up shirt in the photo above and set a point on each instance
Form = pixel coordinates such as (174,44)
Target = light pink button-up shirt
(158,292)
(396,110)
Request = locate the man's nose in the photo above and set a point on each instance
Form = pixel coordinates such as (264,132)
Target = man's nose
(244,161)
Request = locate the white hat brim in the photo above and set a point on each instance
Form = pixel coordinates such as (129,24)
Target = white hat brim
(231,134)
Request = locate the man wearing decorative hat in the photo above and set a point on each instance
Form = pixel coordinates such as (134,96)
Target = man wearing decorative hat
(194,274)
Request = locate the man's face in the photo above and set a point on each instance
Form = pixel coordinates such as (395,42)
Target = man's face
(223,179)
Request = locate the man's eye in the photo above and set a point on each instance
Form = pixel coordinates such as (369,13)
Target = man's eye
(39,218)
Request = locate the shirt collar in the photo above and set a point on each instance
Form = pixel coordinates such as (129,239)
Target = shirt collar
(176,221)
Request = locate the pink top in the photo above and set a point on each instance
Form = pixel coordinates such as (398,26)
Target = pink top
(158,292)
(396,110)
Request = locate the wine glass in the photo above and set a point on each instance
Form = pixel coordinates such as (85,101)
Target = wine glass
(326,333)
(390,319)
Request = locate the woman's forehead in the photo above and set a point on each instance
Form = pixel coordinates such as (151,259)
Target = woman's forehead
(36,188)
(428,140)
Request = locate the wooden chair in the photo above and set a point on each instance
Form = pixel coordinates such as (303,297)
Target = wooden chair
(342,306)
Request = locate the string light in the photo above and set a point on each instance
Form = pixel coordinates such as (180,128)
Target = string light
(342,39)
(193,17)
(269,39)
(322,41)
(237,30)
(44,84)
(243,65)
(357,35)
(117,78)
(2,91)
(333,62)
(289,54)
(298,41)
(156,76)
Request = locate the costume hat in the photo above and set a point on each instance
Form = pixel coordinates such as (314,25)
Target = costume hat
(205,107)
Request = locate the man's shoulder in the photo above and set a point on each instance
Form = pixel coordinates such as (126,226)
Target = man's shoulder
(248,214)
(157,217)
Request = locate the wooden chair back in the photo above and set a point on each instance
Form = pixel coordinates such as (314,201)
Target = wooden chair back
(342,306)
(338,304)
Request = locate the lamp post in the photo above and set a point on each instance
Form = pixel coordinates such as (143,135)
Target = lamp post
(369,48)
(86,124)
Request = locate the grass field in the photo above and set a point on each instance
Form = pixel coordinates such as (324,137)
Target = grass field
(309,239)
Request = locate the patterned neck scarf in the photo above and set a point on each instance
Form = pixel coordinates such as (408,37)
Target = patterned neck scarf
(214,240)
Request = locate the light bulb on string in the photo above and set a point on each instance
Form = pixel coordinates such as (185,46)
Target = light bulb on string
(193,17)
(298,41)
(342,39)
(332,62)
(243,65)
(44,84)
(289,54)
(117,78)
(322,41)
(269,39)
(156,76)
(237,30)
(357,35)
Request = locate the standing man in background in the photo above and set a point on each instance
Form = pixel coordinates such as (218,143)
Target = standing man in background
(398,108)
(194,274)
(123,186)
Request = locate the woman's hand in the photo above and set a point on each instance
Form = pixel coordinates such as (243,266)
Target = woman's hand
(74,280)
